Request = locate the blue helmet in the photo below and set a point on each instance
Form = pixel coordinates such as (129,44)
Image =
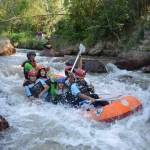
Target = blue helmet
(61,80)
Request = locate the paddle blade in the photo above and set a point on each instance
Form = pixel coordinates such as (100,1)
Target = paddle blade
(81,48)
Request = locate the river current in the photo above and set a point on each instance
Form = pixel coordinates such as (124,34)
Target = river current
(45,126)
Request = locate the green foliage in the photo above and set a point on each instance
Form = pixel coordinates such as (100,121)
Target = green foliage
(84,20)
(23,18)
(91,20)
(94,20)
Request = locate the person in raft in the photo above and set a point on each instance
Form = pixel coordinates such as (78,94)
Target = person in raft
(36,88)
(42,74)
(61,91)
(30,63)
(80,94)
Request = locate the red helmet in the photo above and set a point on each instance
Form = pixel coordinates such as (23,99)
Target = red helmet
(80,73)
(32,73)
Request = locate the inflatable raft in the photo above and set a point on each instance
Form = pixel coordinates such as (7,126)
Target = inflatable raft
(117,109)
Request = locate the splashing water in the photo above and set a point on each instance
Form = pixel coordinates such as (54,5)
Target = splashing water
(50,127)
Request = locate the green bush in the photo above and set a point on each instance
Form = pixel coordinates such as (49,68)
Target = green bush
(90,21)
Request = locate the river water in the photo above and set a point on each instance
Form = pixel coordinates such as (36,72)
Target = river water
(50,127)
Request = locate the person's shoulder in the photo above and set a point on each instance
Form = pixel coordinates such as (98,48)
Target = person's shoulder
(27,63)
(41,80)
(26,83)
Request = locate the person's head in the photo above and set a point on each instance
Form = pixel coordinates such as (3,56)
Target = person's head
(61,83)
(32,75)
(42,71)
(80,74)
(67,70)
(31,55)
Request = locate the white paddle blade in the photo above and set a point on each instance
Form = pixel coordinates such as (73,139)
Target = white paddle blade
(81,48)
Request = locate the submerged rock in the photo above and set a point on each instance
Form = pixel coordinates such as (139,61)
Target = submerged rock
(6,48)
(3,123)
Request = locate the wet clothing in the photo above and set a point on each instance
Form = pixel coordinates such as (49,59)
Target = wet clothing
(34,89)
(71,96)
(75,100)
(84,87)
(61,96)
(52,87)
(27,66)
(47,80)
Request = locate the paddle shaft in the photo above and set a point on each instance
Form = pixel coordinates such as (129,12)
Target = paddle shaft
(81,50)
(75,61)
(109,99)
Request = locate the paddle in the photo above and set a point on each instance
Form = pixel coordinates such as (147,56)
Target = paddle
(109,99)
(81,50)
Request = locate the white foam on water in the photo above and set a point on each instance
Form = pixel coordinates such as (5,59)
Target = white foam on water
(46,126)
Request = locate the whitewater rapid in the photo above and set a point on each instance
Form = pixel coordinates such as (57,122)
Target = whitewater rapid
(46,126)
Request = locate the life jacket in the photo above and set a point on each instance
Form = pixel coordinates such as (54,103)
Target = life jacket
(23,65)
(52,86)
(83,87)
(36,89)
(47,80)
(61,97)
(26,83)
(71,99)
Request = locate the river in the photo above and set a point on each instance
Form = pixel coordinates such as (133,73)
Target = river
(50,127)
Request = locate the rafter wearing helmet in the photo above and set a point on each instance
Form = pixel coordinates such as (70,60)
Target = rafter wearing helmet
(29,64)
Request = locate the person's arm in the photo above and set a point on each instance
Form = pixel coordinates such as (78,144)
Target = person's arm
(28,93)
(46,87)
(83,96)
(76,92)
